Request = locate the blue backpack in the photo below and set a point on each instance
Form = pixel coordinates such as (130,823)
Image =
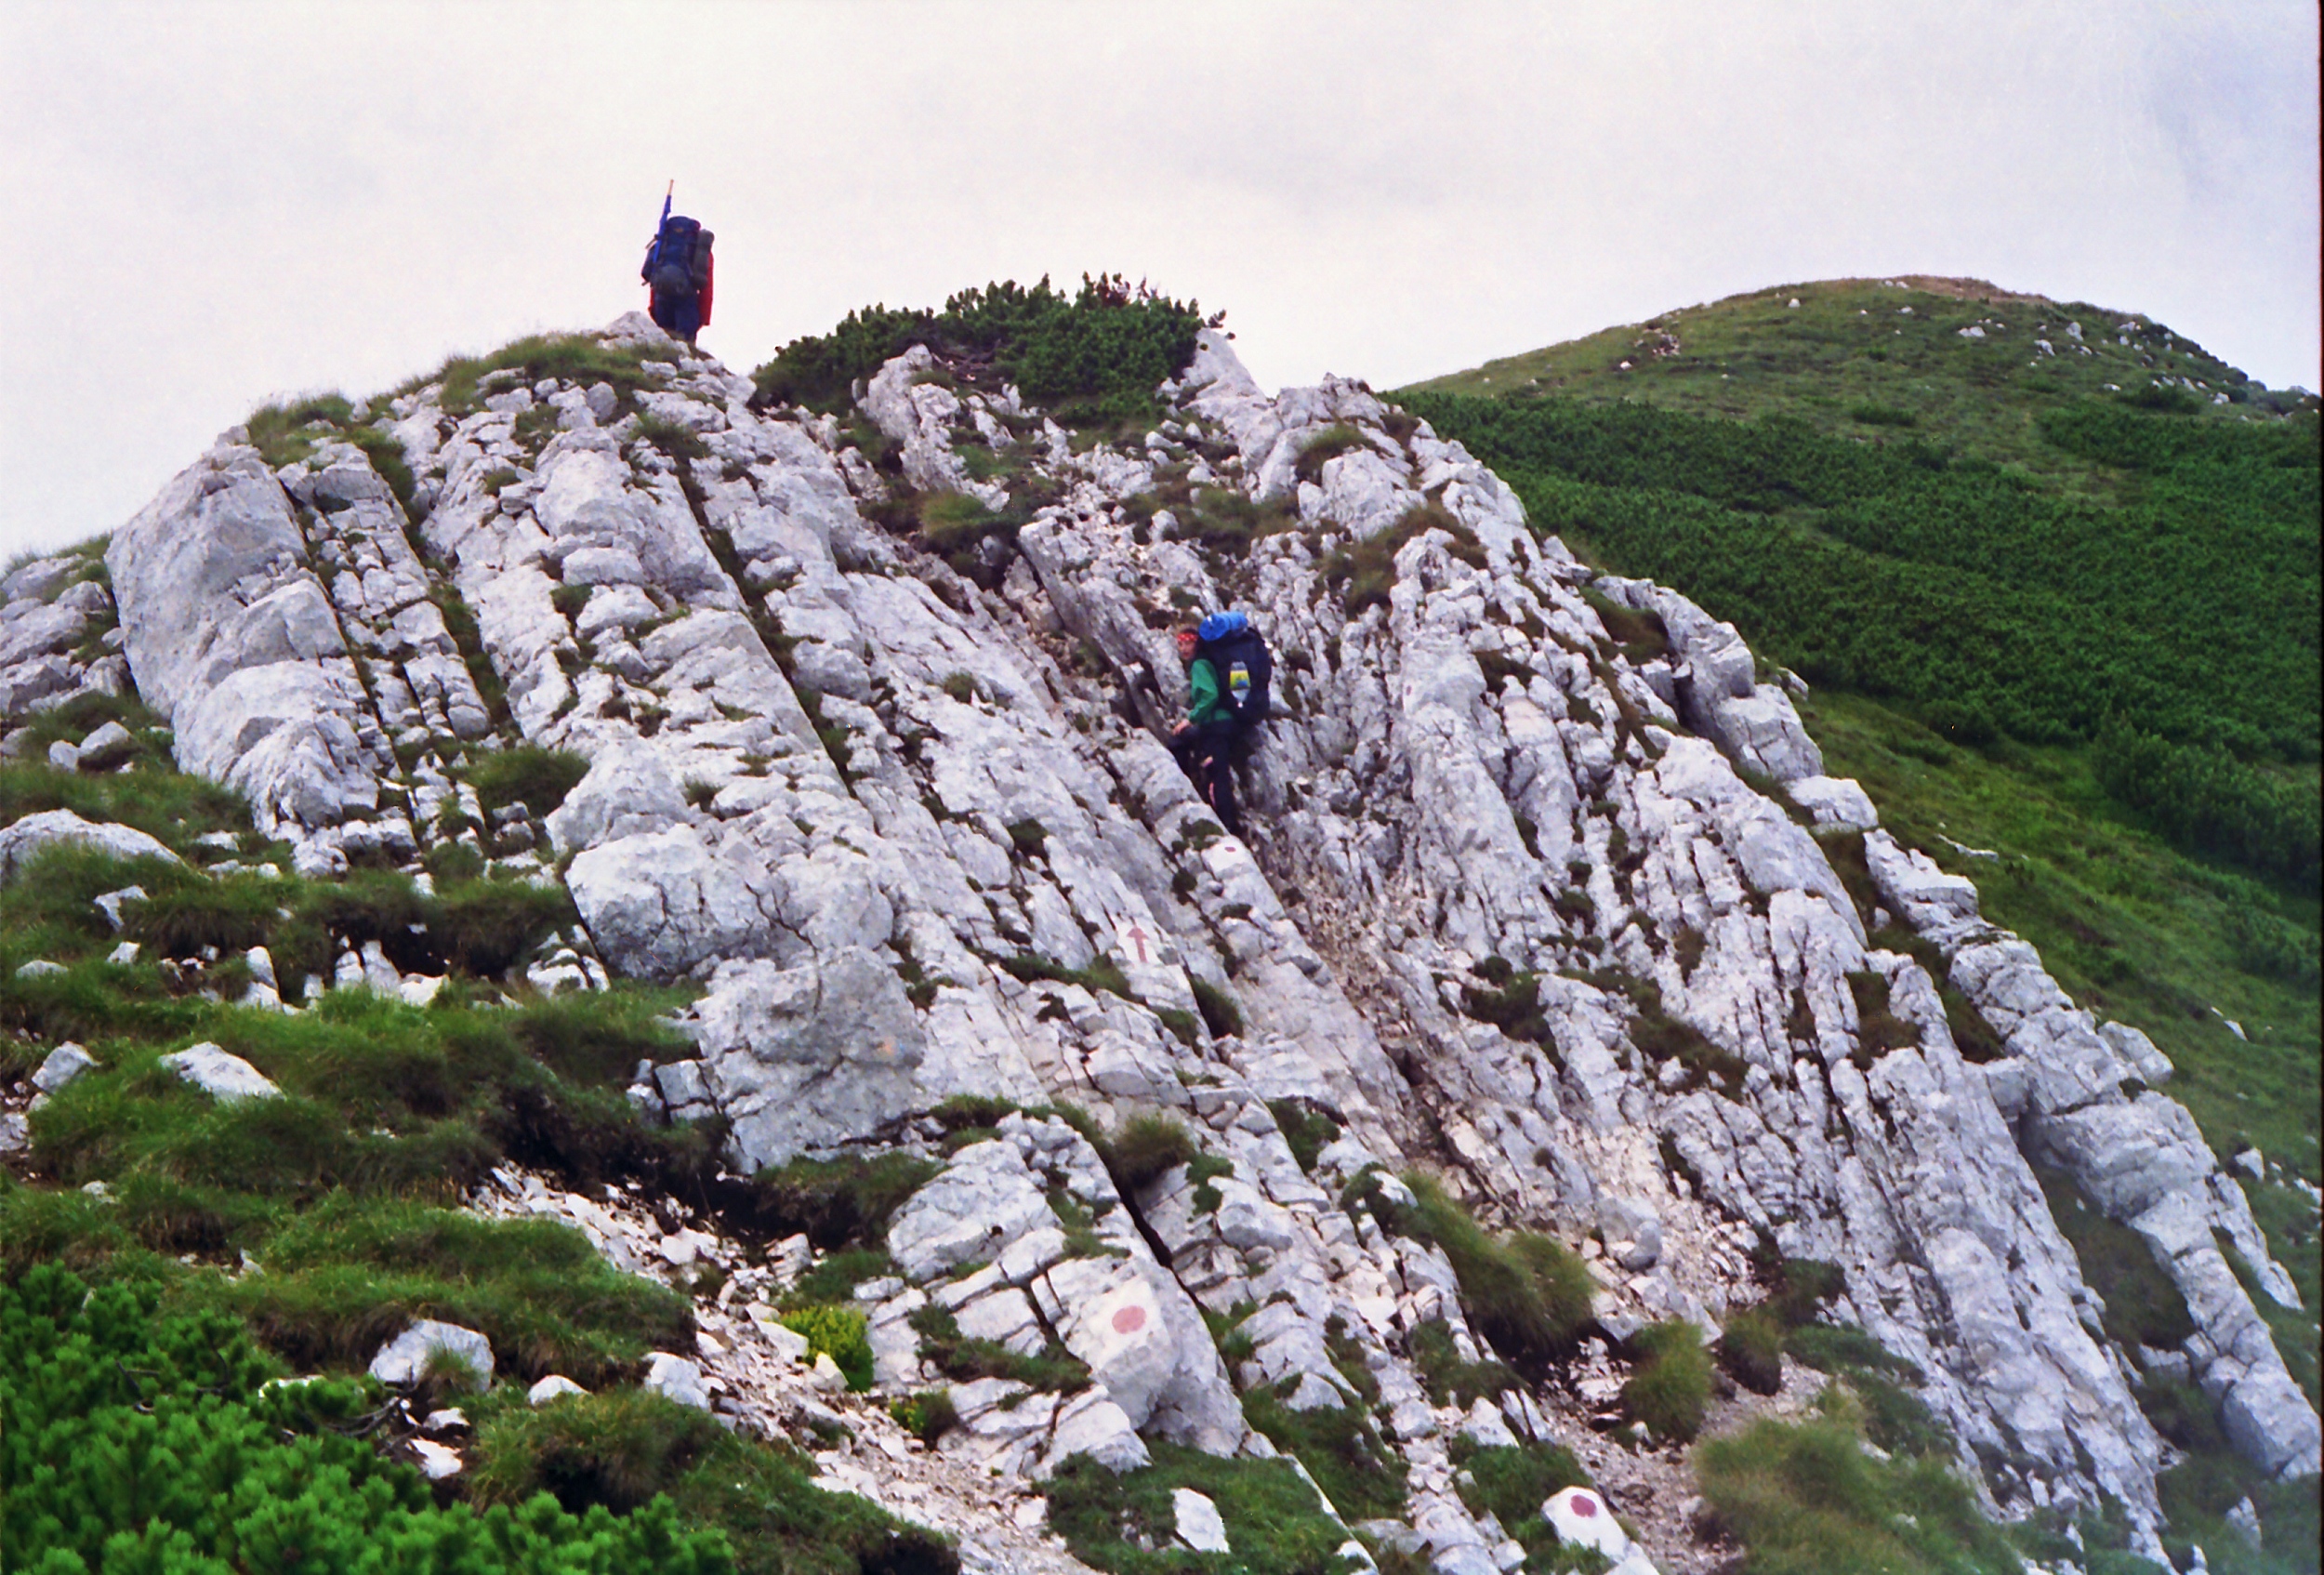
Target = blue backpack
(678,263)
(1237,651)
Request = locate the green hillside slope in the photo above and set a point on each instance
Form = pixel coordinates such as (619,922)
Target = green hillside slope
(2052,574)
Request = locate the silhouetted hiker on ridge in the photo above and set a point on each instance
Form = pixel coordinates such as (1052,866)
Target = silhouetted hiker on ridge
(679,269)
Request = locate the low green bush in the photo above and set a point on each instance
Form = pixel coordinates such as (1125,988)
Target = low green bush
(1103,973)
(1527,1294)
(1448,1379)
(1362,1476)
(2142,1304)
(1510,1000)
(1670,1387)
(582,359)
(154,1439)
(1092,357)
(1307,1129)
(1324,447)
(964,1361)
(167,805)
(1364,571)
(1879,1029)
(1841,1348)
(1145,1148)
(597,1451)
(1750,1349)
(838,1201)
(1221,1013)
(927,1414)
(527,774)
(841,1333)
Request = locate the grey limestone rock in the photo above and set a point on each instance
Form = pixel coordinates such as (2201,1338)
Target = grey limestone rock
(225,1078)
(404,1359)
(61,1067)
(31,834)
(904,831)
(809,1057)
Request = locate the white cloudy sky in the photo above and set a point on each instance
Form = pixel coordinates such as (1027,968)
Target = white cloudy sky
(209,205)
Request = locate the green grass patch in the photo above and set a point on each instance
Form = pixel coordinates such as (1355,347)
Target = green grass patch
(1527,1295)
(527,774)
(173,808)
(1364,571)
(1358,1472)
(1324,447)
(841,1332)
(1306,1128)
(582,359)
(2142,1305)
(1448,1379)
(598,1452)
(1511,1484)
(1670,1387)
(1052,1369)
(1126,1525)
(1807,1499)
(840,1201)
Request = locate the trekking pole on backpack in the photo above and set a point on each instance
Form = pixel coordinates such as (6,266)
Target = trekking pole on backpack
(653,252)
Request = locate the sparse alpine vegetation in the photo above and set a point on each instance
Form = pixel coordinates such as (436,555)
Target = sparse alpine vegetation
(1092,357)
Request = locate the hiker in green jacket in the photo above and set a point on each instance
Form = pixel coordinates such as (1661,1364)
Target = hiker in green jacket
(1204,739)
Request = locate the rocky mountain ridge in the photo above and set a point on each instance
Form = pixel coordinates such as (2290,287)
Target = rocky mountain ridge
(911,831)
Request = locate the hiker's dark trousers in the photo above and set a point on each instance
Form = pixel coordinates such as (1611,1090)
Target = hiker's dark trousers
(1205,754)
(678,315)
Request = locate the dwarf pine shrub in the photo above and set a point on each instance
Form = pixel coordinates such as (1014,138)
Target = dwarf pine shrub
(132,1436)
(1094,356)
(527,774)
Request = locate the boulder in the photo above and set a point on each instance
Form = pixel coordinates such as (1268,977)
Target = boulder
(106,748)
(34,833)
(436,1462)
(807,1057)
(628,792)
(63,1063)
(1199,1524)
(983,1200)
(404,1359)
(1834,801)
(675,1378)
(1580,1517)
(556,1386)
(223,1077)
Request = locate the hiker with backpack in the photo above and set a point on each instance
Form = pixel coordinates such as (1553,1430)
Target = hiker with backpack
(1228,669)
(679,272)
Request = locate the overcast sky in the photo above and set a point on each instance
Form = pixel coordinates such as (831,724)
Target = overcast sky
(207,206)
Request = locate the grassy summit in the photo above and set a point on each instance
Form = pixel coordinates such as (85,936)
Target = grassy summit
(1859,356)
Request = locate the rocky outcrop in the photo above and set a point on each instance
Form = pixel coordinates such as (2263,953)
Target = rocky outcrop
(1515,907)
(2078,1092)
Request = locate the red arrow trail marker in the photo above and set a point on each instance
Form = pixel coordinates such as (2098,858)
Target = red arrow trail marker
(1138,934)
